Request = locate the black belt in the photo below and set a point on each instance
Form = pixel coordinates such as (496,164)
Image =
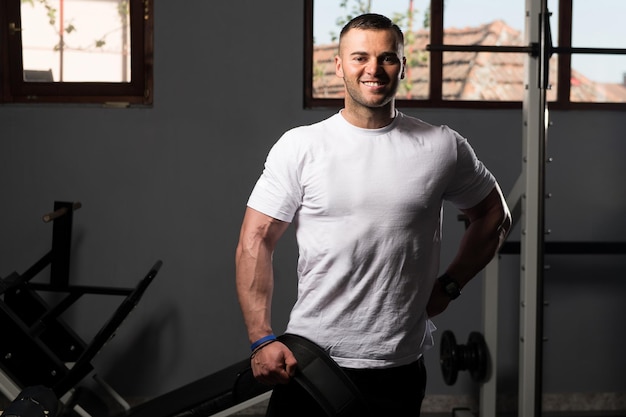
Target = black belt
(324,380)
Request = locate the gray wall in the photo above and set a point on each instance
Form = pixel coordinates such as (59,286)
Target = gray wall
(171,182)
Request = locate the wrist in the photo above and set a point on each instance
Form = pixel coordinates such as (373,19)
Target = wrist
(450,286)
(262,341)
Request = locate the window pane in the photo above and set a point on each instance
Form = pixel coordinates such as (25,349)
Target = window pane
(329,17)
(466,20)
(76,40)
(598,24)
(590,91)
(484,76)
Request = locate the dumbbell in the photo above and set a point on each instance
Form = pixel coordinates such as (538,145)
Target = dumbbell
(472,357)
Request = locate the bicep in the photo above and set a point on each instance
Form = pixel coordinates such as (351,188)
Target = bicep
(492,205)
(260,229)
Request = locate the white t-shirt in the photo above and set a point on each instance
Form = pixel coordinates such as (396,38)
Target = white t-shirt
(366,204)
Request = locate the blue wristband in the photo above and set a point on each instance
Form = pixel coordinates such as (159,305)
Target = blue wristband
(262,341)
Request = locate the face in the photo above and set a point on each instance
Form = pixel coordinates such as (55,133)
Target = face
(371,65)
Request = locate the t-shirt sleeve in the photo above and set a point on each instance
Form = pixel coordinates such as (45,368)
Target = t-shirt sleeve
(472,181)
(277,192)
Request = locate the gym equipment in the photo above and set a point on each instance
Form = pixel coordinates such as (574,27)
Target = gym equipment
(234,388)
(212,395)
(473,357)
(324,380)
(37,348)
(37,401)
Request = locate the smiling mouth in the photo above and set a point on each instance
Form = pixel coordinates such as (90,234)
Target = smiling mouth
(373,83)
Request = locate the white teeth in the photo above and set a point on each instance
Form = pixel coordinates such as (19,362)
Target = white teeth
(371,83)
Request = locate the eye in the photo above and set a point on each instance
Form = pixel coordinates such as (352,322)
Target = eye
(390,59)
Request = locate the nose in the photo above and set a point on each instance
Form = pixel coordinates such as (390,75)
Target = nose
(373,66)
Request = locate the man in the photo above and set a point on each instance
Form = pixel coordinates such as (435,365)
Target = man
(364,189)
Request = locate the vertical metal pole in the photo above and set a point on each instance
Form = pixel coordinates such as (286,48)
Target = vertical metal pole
(61,37)
(488,390)
(124,16)
(61,245)
(532,226)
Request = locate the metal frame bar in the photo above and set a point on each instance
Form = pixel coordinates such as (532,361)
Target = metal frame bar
(527,200)
(527,204)
(243,405)
(535,114)
(489,389)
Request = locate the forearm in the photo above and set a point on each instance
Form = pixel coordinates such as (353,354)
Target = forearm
(488,227)
(253,270)
(254,278)
(478,246)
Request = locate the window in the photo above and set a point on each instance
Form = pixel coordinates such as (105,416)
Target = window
(76,51)
(492,74)
(595,76)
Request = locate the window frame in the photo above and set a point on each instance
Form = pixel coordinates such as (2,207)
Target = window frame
(435,100)
(138,91)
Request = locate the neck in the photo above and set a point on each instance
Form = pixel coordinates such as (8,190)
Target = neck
(369,118)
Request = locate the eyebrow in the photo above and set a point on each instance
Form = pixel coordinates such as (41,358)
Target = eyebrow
(384,54)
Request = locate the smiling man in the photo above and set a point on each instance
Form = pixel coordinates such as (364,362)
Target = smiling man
(364,190)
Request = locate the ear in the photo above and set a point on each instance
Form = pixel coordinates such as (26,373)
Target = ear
(403,68)
(338,67)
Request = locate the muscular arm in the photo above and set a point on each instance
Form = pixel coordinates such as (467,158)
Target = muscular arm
(489,224)
(254,273)
(274,363)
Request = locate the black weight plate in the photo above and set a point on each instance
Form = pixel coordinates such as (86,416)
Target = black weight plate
(448,357)
(476,343)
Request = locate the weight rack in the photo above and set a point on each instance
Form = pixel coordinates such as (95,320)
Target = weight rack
(37,346)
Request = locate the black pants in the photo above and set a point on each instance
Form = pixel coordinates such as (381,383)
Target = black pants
(391,392)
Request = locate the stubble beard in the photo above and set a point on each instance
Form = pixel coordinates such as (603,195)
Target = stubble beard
(359,99)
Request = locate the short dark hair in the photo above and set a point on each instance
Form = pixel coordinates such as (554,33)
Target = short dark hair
(373,21)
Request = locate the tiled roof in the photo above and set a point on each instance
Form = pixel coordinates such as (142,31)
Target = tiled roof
(484,76)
